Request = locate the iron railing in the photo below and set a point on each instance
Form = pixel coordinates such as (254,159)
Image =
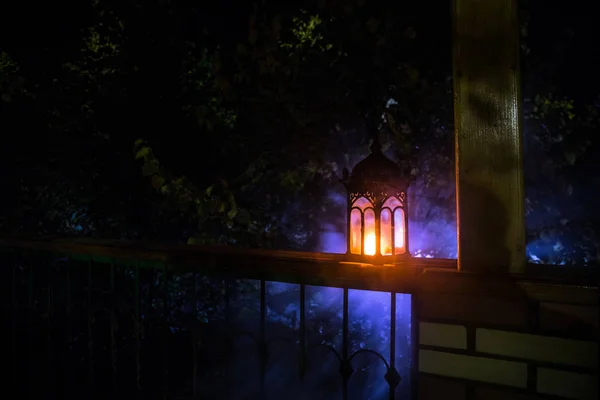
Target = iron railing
(91,319)
(105,320)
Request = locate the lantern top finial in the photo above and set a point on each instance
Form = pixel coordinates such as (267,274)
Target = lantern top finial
(373,133)
(376,173)
(375,145)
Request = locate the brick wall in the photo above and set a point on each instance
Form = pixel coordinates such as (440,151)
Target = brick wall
(501,339)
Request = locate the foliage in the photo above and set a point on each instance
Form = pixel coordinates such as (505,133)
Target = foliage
(281,78)
(281,90)
(11,82)
(560,124)
(242,118)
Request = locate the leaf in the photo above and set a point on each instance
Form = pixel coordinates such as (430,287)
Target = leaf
(231,214)
(195,240)
(157,181)
(181,181)
(243,217)
(142,153)
(150,168)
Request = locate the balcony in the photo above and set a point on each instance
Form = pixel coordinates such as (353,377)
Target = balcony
(105,319)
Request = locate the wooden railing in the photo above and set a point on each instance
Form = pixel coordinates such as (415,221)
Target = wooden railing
(111,318)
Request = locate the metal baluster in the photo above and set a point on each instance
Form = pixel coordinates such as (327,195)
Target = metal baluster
(49,311)
(302,329)
(14,304)
(345,368)
(413,346)
(167,333)
(113,328)
(90,325)
(69,364)
(226,290)
(393,343)
(30,363)
(138,326)
(229,344)
(263,338)
(195,338)
(391,376)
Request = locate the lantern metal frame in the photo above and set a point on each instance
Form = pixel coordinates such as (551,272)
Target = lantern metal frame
(377,179)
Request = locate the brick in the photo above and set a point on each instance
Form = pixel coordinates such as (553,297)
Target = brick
(565,384)
(535,347)
(463,308)
(434,388)
(443,335)
(480,369)
(568,318)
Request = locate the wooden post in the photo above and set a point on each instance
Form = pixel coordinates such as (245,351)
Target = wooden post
(489,168)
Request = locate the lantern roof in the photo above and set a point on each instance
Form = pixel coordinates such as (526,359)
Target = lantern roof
(376,173)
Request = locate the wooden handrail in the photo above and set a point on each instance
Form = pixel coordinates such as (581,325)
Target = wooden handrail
(166,252)
(337,270)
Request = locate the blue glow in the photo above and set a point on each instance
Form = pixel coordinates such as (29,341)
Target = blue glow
(434,237)
(369,328)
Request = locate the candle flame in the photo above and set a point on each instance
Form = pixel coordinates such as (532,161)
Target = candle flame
(370,244)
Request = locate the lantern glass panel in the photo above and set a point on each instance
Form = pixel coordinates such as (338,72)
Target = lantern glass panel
(370,233)
(385,225)
(362,203)
(355,231)
(399,228)
(392,203)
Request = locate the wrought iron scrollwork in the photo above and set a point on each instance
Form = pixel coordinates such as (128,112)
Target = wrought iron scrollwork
(91,306)
(378,198)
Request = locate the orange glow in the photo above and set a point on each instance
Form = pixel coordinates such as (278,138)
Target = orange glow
(362,203)
(363,236)
(399,231)
(386,232)
(370,235)
(370,246)
(355,232)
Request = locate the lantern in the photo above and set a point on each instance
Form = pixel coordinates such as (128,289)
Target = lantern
(377,207)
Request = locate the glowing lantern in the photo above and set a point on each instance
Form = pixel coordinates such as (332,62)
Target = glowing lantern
(377,207)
